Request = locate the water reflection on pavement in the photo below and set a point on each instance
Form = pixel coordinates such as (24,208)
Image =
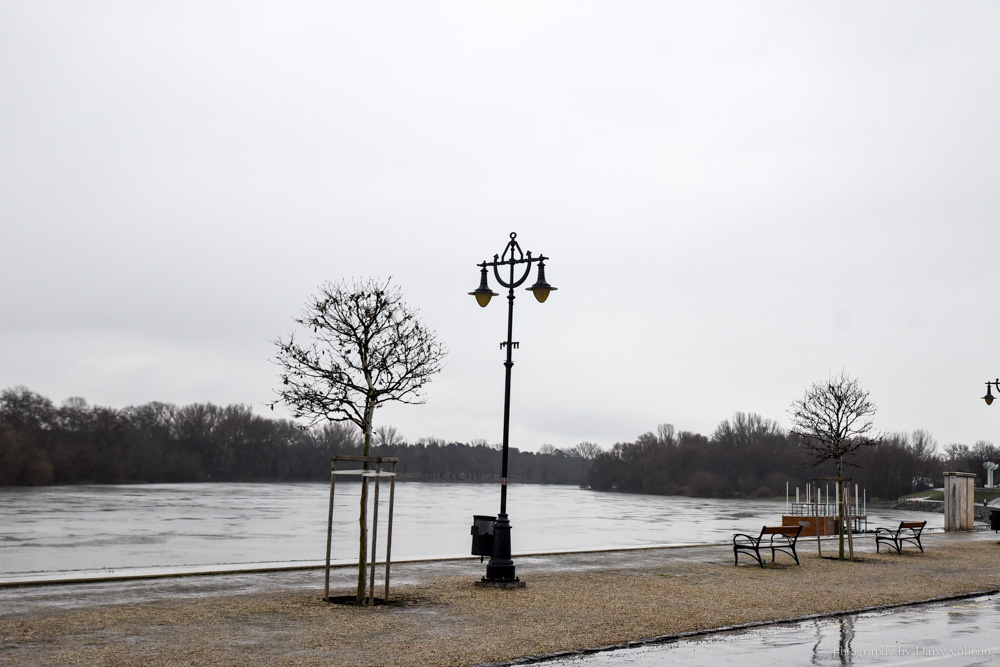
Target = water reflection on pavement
(962,632)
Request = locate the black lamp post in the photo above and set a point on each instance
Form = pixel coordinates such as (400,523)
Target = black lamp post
(989,395)
(500,570)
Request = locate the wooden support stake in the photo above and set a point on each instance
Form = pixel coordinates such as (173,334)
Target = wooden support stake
(365,473)
(371,587)
(850,521)
(329,532)
(819,546)
(388,541)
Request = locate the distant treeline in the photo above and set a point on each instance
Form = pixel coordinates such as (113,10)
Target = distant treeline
(749,456)
(746,456)
(75,443)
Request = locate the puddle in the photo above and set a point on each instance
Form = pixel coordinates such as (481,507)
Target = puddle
(963,632)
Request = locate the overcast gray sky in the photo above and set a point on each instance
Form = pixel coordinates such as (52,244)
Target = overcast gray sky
(738,199)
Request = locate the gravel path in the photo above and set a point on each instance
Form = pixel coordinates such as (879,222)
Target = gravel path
(571,602)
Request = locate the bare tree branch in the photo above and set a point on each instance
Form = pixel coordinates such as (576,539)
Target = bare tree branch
(367,348)
(833,419)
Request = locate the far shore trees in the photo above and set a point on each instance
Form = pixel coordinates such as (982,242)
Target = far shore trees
(364,347)
(47,443)
(833,419)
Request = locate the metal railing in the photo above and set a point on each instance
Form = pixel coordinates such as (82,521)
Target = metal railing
(859,522)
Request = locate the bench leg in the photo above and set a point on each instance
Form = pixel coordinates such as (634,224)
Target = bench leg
(753,553)
(891,543)
(788,550)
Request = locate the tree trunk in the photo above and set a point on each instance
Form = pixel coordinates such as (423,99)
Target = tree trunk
(363,545)
(363,514)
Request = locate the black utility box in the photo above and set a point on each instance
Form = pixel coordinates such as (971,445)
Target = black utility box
(995,519)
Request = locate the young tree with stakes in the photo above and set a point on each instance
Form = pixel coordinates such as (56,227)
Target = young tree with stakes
(832,420)
(365,348)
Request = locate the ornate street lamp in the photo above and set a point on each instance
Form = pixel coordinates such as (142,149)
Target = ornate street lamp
(500,570)
(989,395)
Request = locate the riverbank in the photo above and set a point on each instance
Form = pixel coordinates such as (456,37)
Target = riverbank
(439,617)
(982,512)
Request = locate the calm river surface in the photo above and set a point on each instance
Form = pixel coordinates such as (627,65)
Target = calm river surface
(88,528)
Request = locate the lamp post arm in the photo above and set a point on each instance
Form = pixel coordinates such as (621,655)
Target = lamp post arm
(512,256)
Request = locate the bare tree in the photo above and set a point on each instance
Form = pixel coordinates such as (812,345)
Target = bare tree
(666,434)
(745,430)
(923,444)
(588,450)
(981,452)
(832,420)
(388,436)
(338,436)
(365,347)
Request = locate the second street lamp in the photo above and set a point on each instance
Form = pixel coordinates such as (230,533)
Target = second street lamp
(500,571)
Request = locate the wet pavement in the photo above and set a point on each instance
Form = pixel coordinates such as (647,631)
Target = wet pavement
(961,632)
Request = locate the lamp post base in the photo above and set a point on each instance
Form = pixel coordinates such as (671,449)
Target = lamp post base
(500,572)
(504,584)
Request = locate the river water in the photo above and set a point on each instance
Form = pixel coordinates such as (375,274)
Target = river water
(53,530)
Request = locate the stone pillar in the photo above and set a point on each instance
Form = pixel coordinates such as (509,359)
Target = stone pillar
(959,500)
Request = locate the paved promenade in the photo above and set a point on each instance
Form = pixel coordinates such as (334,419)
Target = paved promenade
(579,601)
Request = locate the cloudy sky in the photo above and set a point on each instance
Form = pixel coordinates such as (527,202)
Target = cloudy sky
(738,199)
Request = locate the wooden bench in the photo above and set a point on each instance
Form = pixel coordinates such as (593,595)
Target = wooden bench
(908,531)
(779,538)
